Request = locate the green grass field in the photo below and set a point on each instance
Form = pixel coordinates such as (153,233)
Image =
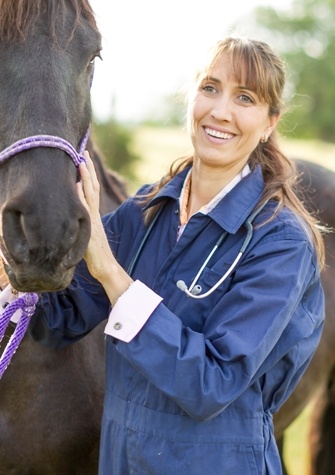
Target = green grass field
(159,147)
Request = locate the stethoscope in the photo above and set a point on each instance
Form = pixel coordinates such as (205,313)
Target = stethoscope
(194,290)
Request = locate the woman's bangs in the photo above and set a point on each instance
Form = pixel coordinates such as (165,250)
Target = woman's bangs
(246,68)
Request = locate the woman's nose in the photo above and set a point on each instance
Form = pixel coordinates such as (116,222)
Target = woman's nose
(222,109)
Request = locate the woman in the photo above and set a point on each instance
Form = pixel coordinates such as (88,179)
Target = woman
(209,332)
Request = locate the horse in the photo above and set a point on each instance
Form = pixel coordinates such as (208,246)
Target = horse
(321,437)
(322,421)
(50,401)
(317,191)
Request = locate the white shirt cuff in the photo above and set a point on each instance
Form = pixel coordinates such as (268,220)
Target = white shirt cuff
(7,297)
(131,311)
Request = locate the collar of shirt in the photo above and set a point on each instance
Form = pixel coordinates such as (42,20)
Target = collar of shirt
(240,202)
(185,193)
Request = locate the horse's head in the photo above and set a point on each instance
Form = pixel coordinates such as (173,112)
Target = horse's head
(47,51)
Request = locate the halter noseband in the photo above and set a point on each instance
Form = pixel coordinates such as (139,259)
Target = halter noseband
(50,141)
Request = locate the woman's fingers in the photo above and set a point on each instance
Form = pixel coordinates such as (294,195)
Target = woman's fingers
(90,187)
(81,194)
(91,170)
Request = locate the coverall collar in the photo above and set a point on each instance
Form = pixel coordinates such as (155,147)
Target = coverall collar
(232,211)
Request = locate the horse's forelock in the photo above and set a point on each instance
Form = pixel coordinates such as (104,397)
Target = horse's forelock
(16,17)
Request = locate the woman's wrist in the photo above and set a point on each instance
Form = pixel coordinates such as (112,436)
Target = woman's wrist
(115,283)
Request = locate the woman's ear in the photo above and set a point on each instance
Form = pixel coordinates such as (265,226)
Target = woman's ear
(273,120)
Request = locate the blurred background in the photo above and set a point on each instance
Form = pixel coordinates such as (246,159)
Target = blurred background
(150,51)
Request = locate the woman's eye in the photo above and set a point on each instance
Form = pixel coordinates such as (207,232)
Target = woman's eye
(245,98)
(209,88)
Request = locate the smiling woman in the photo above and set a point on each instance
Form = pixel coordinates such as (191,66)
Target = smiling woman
(205,366)
(229,116)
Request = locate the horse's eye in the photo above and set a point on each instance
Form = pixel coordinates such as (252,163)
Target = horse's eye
(97,55)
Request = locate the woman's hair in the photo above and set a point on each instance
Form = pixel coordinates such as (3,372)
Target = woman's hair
(264,72)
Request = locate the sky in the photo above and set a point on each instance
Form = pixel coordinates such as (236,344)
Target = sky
(151,48)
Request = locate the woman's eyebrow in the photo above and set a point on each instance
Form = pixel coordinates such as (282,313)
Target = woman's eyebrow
(211,78)
(214,79)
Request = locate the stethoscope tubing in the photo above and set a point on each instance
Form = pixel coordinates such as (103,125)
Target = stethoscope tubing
(249,227)
(181,284)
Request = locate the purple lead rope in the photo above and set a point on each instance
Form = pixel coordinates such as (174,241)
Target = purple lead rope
(27,304)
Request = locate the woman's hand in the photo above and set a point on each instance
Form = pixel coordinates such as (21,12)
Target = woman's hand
(98,252)
(98,256)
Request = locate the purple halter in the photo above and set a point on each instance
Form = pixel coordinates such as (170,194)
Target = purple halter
(27,303)
(46,141)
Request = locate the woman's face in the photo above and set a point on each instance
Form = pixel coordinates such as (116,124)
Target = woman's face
(226,121)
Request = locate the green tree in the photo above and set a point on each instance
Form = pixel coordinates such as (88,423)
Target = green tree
(114,140)
(305,36)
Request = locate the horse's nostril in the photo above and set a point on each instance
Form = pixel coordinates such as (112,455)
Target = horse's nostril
(40,236)
(13,234)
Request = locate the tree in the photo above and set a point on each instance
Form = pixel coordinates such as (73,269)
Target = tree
(305,36)
(115,142)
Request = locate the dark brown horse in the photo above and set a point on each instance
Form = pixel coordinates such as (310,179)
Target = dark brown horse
(50,402)
(318,192)
(321,440)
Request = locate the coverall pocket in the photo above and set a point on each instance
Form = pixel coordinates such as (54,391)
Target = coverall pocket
(158,456)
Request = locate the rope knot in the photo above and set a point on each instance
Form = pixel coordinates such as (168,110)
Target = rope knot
(27,304)
(30,299)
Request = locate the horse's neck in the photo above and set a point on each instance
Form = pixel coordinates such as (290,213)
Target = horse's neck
(3,276)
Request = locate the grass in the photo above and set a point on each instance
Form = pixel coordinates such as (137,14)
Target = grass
(159,147)
(296,451)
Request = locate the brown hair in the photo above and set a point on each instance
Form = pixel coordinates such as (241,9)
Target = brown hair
(264,72)
(18,16)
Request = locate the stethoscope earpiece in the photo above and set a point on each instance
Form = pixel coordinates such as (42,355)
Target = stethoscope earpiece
(183,287)
(196,290)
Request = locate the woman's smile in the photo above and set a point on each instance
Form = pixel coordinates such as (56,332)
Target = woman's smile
(218,134)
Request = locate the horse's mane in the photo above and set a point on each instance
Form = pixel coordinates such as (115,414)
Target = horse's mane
(18,16)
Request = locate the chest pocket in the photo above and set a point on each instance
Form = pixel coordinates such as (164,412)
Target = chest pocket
(221,267)
(193,312)
(210,278)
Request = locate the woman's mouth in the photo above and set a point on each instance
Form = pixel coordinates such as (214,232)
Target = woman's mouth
(217,134)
